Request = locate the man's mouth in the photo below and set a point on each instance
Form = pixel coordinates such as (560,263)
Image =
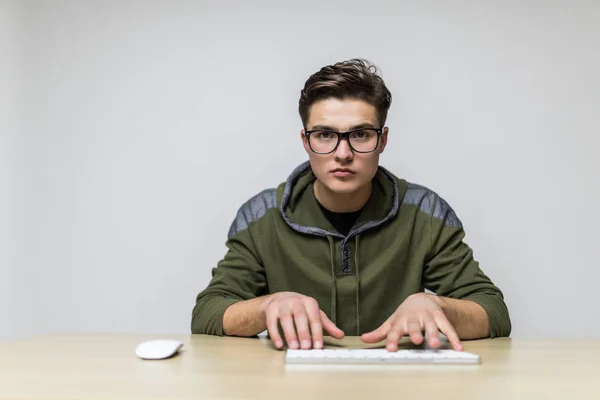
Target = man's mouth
(342,172)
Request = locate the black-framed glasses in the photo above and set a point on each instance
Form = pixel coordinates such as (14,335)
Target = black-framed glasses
(363,140)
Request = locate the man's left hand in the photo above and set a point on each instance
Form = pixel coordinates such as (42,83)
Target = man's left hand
(419,312)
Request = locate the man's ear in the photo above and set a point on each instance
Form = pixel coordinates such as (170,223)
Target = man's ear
(383,140)
(305,141)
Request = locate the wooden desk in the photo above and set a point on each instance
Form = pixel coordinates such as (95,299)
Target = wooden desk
(105,366)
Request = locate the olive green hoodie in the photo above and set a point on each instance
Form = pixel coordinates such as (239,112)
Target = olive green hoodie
(406,239)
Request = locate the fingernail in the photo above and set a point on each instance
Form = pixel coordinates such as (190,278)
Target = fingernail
(278,343)
(293,344)
(317,345)
(306,343)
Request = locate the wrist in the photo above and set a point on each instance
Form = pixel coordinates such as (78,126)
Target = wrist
(264,303)
(440,301)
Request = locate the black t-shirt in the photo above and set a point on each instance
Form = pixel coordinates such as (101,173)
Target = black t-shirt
(342,222)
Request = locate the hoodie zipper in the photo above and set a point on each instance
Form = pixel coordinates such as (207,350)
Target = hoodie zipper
(346,268)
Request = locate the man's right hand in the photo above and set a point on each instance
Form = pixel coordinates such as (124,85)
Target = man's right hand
(301,320)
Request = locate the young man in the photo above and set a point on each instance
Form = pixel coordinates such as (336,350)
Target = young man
(344,247)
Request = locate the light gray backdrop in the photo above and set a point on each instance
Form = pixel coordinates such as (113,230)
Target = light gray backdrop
(130,133)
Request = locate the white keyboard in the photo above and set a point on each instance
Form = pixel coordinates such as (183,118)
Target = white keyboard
(379,356)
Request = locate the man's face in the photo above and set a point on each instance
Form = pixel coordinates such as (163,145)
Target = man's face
(344,115)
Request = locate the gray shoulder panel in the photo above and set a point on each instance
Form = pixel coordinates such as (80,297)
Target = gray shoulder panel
(419,196)
(444,212)
(252,210)
(431,203)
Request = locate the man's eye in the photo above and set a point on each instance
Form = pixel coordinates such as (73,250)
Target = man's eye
(324,135)
(361,134)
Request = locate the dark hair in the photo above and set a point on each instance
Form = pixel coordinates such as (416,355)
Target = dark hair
(351,79)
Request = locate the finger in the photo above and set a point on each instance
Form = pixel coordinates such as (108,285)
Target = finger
(433,334)
(316,327)
(301,321)
(273,328)
(378,334)
(287,323)
(330,327)
(395,333)
(415,330)
(448,330)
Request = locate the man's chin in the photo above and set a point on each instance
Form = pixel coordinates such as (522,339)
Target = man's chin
(343,187)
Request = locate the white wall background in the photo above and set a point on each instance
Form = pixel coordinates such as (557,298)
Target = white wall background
(143,126)
(9,272)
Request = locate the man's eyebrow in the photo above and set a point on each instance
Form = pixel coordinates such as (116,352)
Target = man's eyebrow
(363,125)
(322,127)
(329,128)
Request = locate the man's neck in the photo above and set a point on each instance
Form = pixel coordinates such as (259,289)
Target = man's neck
(342,202)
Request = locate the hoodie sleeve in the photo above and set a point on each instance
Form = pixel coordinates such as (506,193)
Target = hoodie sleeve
(451,270)
(239,275)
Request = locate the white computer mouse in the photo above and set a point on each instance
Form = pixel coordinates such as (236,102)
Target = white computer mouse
(158,349)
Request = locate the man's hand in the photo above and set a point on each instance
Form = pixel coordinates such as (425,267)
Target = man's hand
(419,312)
(301,319)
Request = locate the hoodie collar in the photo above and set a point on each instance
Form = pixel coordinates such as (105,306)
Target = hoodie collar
(301,211)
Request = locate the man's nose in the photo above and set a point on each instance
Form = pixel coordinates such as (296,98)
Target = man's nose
(343,151)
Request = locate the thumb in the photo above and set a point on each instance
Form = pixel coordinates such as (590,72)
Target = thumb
(378,334)
(330,327)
